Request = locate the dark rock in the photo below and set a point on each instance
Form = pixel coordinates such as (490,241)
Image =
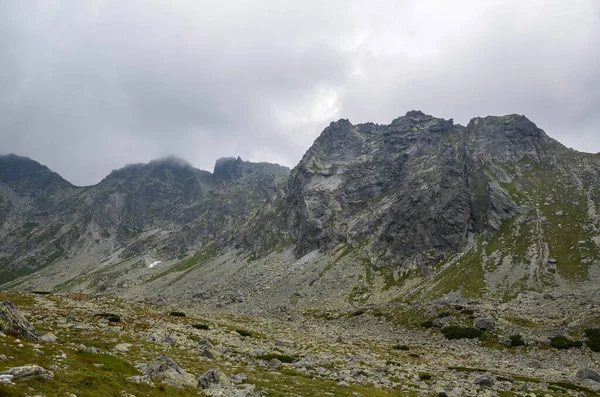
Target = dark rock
(588,373)
(164,370)
(13,323)
(213,377)
(486,380)
(485,324)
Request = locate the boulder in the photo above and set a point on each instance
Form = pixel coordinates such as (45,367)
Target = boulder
(168,372)
(588,373)
(485,324)
(212,378)
(141,380)
(49,338)
(122,347)
(27,372)
(161,336)
(486,380)
(238,378)
(12,322)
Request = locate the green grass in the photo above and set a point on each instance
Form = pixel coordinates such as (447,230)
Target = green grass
(187,264)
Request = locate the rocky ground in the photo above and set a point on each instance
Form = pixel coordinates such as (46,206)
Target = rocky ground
(102,346)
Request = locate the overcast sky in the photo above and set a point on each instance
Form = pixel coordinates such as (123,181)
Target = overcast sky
(89,86)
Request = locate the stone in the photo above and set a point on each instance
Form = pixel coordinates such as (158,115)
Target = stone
(48,338)
(122,347)
(141,380)
(166,371)
(12,322)
(27,372)
(3,357)
(485,324)
(486,380)
(161,336)
(588,373)
(208,353)
(212,378)
(238,378)
(6,379)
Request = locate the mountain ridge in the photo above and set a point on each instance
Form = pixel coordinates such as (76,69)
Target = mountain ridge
(372,214)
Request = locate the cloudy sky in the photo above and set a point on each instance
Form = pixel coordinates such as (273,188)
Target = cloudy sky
(89,86)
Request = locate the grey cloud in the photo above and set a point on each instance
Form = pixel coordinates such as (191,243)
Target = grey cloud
(86,87)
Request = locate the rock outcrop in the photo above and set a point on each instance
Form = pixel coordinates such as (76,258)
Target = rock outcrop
(13,323)
(166,371)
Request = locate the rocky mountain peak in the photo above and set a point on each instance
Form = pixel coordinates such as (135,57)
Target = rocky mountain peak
(28,177)
(508,138)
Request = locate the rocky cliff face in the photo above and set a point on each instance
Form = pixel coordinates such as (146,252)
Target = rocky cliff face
(415,189)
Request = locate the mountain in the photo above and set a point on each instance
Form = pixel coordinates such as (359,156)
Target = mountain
(414,211)
(352,274)
(164,206)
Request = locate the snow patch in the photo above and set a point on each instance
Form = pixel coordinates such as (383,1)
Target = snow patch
(150,266)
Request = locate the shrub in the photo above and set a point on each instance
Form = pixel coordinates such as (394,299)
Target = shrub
(562,343)
(468,311)
(177,314)
(424,376)
(413,355)
(458,307)
(281,357)
(427,324)
(111,317)
(516,340)
(357,313)
(443,314)
(593,342)
(201,326)
(454,332)
(243,332)
(401,347)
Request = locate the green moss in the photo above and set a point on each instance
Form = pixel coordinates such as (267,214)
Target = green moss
(201,326)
